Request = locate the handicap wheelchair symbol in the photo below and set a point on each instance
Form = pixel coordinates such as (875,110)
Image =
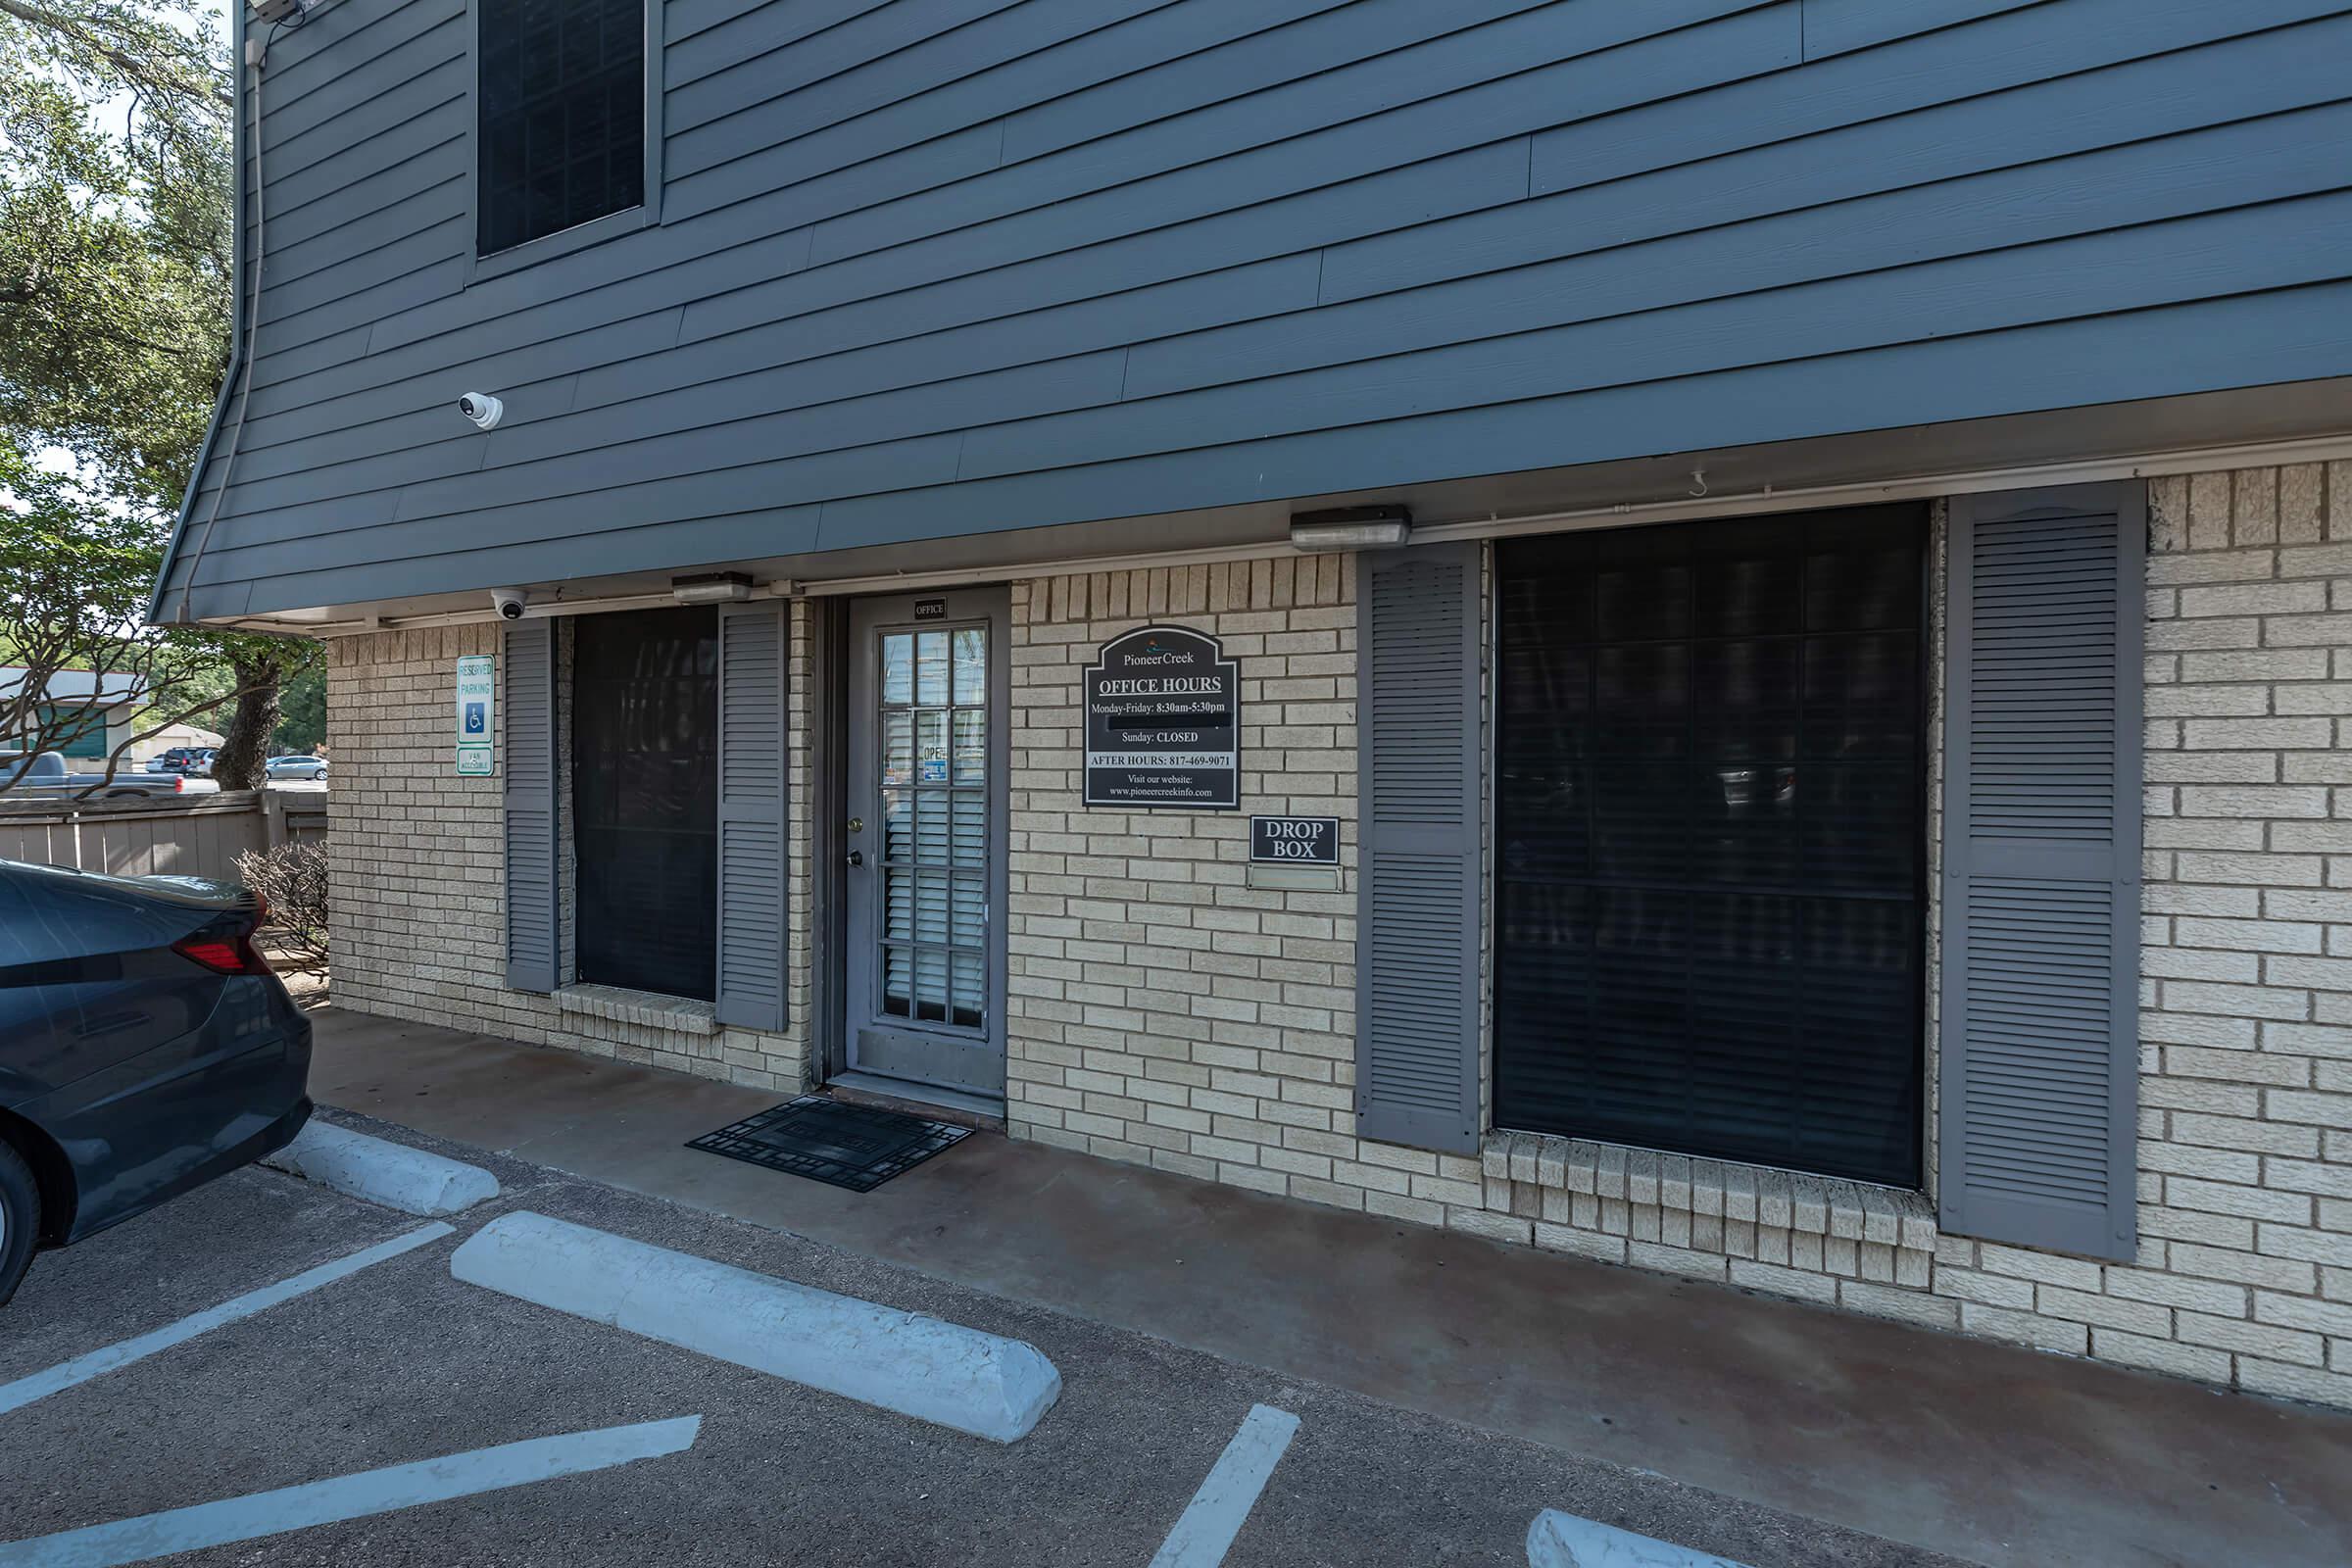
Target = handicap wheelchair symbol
(475,715)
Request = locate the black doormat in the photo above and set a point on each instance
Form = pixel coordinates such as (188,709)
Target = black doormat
(856,1147)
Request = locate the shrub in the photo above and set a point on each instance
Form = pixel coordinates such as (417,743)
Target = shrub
(293,878)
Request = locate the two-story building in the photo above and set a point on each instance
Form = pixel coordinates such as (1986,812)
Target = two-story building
(1711,633)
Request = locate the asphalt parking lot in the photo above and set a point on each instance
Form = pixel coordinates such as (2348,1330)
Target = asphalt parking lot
(399,1362)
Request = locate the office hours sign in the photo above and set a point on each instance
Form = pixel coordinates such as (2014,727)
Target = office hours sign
(1163,722)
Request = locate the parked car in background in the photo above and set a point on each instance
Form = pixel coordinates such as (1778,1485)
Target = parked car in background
(297,768)
(46,773)
(145,1048)
(184,759)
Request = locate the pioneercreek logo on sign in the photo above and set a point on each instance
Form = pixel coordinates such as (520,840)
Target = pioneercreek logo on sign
(1163,722)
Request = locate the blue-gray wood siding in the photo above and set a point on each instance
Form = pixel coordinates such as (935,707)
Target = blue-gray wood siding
(939,267)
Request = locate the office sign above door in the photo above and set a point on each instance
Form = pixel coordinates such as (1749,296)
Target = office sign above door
(1163,722)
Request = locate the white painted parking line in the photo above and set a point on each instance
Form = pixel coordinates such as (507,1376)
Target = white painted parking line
(40,1385)
(1560,1539)
(379,1170)
(371,1492)
(959,1377)
(1215,1516)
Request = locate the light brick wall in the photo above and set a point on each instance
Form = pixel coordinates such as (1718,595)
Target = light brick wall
(1161,1010)
(416,859)
(2246,960)
(1164,1012)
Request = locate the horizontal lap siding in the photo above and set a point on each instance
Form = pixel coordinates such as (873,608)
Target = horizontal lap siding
(951,265)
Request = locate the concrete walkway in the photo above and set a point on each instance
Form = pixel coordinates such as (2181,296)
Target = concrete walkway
(1988,1454)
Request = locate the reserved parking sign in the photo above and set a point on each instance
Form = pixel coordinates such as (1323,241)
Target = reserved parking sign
(478,718)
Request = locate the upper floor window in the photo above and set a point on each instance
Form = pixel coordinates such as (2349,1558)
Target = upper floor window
(562,139)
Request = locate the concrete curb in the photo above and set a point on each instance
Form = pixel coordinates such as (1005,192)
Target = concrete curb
(1560,1539)
(382,1171)
(934,1371)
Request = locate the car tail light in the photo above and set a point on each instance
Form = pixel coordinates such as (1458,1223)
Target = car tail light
(179,784)
(224,951)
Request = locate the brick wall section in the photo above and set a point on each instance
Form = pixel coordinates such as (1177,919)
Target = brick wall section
(1161,1010)
(416,856)
(2246,960)
(1164,1012)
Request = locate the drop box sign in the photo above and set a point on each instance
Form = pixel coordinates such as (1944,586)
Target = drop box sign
(1163,722)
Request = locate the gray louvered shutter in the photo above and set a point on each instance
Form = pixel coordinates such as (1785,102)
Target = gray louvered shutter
(752,755)
(2041,868)
(1417,925)
(529,667)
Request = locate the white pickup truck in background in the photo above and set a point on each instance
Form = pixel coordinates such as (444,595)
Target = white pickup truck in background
(46,773)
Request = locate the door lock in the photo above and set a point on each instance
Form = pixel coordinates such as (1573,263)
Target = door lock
(856,858)
(857,824)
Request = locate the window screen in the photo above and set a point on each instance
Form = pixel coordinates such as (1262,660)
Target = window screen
(645,799)
(1709,792)
(563,115)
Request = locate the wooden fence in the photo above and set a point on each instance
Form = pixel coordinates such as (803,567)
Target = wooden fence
(200,836)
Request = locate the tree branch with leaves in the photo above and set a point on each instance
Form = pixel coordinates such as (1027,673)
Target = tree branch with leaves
(115,318)
(75,570)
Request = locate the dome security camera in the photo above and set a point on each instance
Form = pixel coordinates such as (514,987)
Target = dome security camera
(481,407)
(509,603)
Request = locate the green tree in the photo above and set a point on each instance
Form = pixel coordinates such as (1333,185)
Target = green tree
(115,236)
(302,713)
(116,281)
(74,571)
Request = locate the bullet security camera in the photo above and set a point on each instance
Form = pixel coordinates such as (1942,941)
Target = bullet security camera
(481,407)
(510,602)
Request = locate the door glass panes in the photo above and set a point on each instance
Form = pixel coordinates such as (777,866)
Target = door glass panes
(963,910)
(971,666)
(930,979)
(933,804)
(1710,785)
(967,832)
(931,668)
(931,907)
(972,746)
(897,672)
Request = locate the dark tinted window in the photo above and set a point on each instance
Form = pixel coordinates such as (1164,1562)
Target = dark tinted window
(1710,840)
(563,115)
(645,798)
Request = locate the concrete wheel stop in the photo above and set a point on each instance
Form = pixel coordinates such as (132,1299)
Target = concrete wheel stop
(944,1373)
(1560,1539)
(381,1171)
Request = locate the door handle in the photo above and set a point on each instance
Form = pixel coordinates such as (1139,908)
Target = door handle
(857,859)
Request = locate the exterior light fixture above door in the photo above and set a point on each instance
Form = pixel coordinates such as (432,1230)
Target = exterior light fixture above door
(710,587)
(1351,528)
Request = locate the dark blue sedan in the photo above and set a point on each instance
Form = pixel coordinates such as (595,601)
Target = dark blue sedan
(145,1048)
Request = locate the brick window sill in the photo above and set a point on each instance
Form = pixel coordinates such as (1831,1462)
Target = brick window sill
(652,1008)
(1756,1194)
